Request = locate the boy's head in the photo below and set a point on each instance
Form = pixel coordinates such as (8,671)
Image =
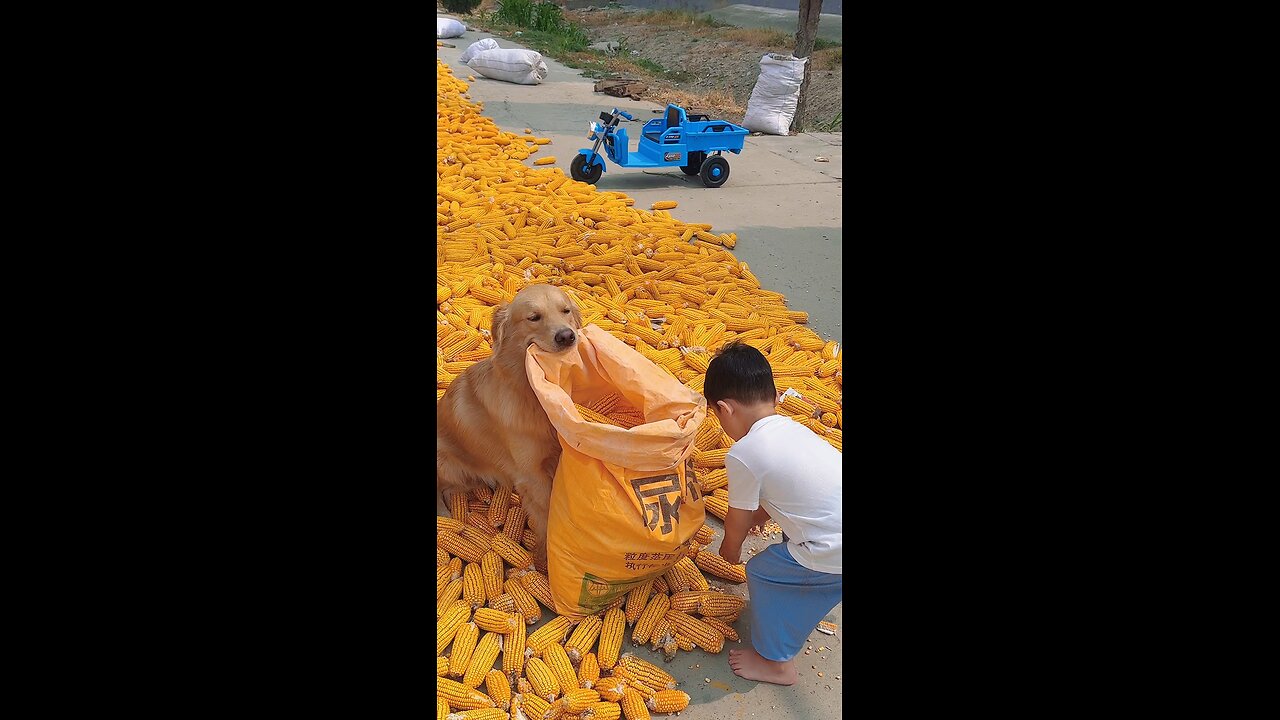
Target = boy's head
(739,388)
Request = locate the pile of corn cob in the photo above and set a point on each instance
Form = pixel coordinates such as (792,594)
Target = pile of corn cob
(670,289)
(488,591)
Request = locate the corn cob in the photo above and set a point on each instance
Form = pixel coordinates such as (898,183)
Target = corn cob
(588,671)
(660,205)
(656,608)
(491,574)
(448,523)
(458,545)
(722,627)
(481,494)
(707,637)
(442,557)
(442,708)
(713,564)
(503,602)
(526,605)
(648,673)
(637,598)
(558,660)
(482,659)
(542,678)
(602,711)
(684,575)
(529,540)
(442,665)
(443,576)
(717,506)
(497,621)
(613,626)
(534,706)
(633,705)
(668,701)
(704,534)
(514,526)
(577,700)
(538,586)
(513,652)
(473,585)
(583,638)
(461,696)
(713,480)
(498,688)
(451,594)
(660,585)
(553,632)
(522,686)
(499,505)
(464,644)
(683,642)
(458,505)
(515,555)
(610,688)
(709,459)
(450,621)
(480,534)
(544,161)
(633,682)
(480,714)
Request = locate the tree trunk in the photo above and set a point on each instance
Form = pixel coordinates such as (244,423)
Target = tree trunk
(806,34)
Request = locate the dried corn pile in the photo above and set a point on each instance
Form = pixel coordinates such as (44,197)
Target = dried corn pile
(670,289)
(487,592)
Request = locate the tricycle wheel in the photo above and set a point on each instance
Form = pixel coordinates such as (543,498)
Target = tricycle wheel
(580,172)
(695,162)
(715,170)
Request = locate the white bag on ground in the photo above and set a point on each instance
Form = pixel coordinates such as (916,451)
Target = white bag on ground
(477,46)
(514,65)
(449,28)
(773,100)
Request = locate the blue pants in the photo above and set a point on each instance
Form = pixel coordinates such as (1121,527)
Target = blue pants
(788,601)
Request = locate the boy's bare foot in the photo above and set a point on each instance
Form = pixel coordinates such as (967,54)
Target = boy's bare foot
(747,663)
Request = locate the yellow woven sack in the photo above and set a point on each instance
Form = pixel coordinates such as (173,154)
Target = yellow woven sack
(626,503)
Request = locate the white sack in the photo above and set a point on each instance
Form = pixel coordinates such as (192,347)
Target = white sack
(773,100)
(514,65)
(477,46)
(449,28)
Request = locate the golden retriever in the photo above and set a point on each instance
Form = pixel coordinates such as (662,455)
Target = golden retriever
(490,427)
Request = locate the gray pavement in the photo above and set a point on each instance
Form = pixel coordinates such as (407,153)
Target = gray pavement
(784,205)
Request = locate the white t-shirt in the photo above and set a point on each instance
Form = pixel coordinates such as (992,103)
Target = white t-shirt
(794,475)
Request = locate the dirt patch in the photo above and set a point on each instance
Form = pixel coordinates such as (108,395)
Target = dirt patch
(714,68)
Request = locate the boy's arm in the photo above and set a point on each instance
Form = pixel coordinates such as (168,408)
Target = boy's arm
(744,490)
(736,524)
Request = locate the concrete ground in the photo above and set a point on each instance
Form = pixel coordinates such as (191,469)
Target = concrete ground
(786,210)
(784,205)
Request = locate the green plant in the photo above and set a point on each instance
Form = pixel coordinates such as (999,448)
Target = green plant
(462,7)
(821,44)
(547,17)
(515,12)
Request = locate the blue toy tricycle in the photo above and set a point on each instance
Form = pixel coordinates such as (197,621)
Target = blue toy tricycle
(691,142)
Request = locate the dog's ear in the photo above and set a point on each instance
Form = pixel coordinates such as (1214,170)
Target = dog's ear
(498,326)
(577,316)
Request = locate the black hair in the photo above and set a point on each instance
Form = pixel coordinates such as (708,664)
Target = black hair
(739,372)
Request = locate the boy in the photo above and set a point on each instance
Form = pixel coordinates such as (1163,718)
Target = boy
(777,469)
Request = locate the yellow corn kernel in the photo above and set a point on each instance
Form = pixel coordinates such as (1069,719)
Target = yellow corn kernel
(526,605)
(513,646)
(643,629)
(464,644)
(665,205)
(583,638)
(637,598)
(611,637)
(498,688)
(542,679)
(588,671)
(668,701)
(461,697)
(482,659)
(544,161)
(633,705)
(558,660)
(712,563)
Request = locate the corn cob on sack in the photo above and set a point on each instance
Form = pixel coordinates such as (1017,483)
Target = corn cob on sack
(625,503)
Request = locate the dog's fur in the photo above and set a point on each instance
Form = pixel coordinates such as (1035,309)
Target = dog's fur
(490,428)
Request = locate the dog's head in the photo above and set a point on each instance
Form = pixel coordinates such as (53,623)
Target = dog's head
(541,315)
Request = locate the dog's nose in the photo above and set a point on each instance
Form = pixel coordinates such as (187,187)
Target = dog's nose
(565,337)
